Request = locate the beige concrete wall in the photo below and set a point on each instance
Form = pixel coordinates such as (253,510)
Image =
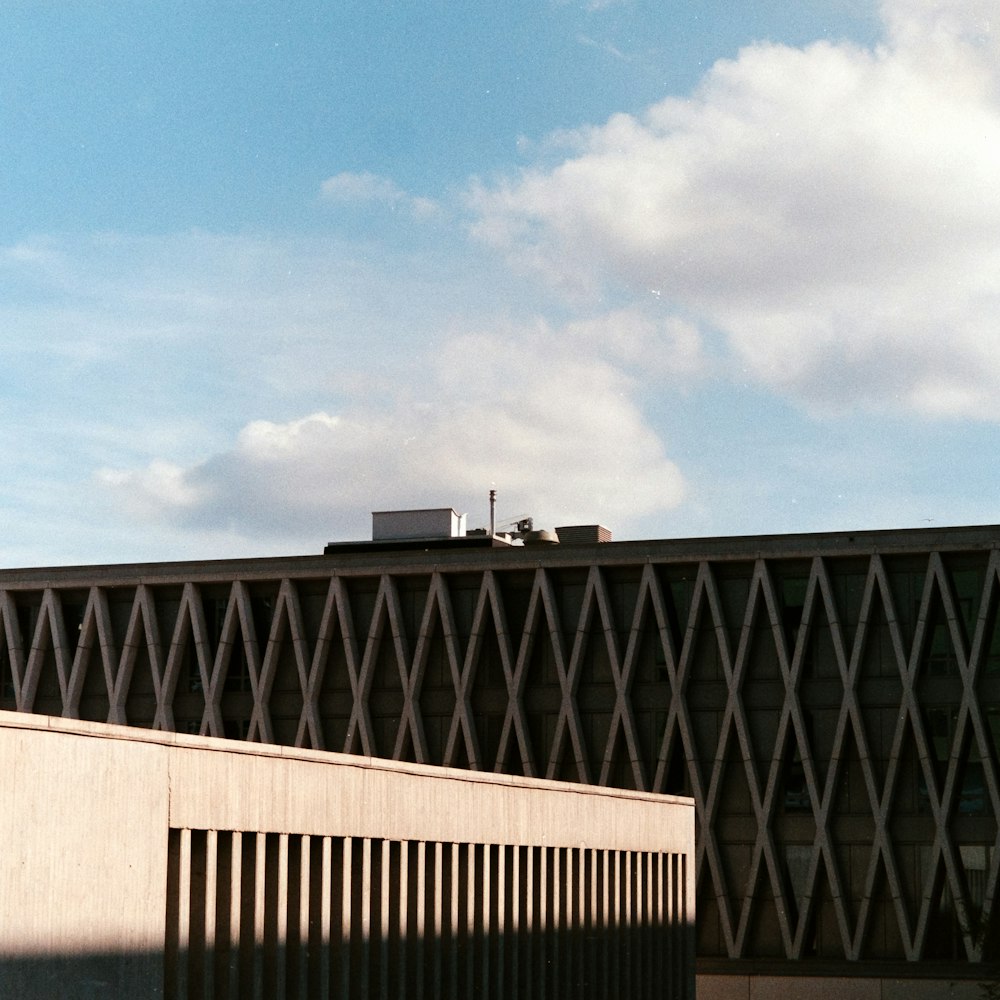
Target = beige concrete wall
(251,787)
(82,866)
(85,810)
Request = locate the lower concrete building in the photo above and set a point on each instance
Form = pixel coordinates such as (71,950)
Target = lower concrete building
(141,865)
(831,702)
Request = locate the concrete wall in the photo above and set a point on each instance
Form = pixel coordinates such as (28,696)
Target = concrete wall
(118,845)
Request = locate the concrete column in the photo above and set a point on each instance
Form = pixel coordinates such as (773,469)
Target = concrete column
(235,911)
(211,895)
(184,912)
(503,895)
(260,860)
(384,849)
(438,942)
(368,897)
(583,897)
(638,934)
(420,928)
(675,918)
(543,920)
(281,919)
(325,914)
(303,886)
(486,911)
(514,927)
(528,893)
(657,972)
(628,925)
(590,922)
(470,942)
(401,879)
(455,883)
(347,865)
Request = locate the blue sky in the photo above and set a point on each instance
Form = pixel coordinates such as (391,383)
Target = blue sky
(683,269)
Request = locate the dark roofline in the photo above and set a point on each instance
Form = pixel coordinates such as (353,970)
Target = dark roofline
(398,557)
(415,545)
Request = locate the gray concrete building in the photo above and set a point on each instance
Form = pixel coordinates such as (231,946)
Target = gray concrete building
(831,702)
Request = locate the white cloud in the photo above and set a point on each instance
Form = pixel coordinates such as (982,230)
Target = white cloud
(553,428)
(360,188)
(833,210)
(643,343)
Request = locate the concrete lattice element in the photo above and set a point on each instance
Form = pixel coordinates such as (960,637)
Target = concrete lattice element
(360,917)
(832,704)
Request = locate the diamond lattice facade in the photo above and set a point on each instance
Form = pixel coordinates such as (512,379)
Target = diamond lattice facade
(831,702)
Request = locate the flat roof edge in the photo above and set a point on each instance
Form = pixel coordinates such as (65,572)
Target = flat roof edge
(359,555)
(133,734)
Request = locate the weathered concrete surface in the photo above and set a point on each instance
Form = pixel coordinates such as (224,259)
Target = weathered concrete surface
(81,870)
(86,810)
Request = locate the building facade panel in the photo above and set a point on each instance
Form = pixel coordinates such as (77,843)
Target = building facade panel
(832,703)
(139,864)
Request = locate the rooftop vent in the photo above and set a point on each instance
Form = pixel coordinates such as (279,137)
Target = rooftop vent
(431,522)
(583,534)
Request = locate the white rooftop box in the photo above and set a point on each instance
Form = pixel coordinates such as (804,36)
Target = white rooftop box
(432,522)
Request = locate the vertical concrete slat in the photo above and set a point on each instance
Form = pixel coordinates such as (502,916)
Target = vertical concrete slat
(589,922)
(560,907)
(516,910)
(346,908)
(438,918)
(647,921)
(503,895)
(558,951)
(304,957)
(385,878)
(528,936)
(675,924)
(454,928)
(260,871)
(367,891)
(184,916)
(655,933)
(486,879)
(656,969)
(211,897)
(578,893)
(402,921)
(617,979)
(642,924)
(420,922)
(470,919)
(555,949)
(583,891)
(605,924)
(325,915)
(688,880)
(281,903)
(542,920)
(235,910)
(628,924)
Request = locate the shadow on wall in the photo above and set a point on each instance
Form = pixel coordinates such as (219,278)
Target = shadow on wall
(612,964)
(285,915)
(279,916)
(553,964)
(82,977)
